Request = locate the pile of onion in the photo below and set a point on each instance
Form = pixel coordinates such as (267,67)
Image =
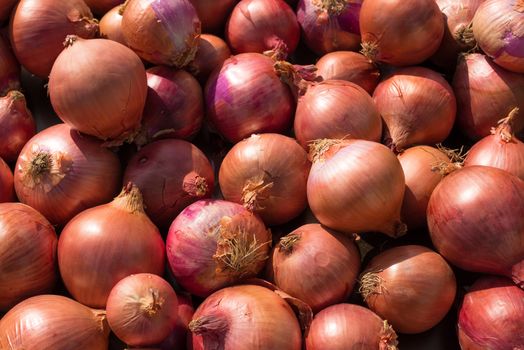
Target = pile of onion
(213,14)
(9,69)
(212,52)
(7,189)
(111,25)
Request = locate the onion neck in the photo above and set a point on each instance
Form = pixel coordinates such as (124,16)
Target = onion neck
(195,185)
(297,77)
(370,284)
(456,160)
(130,199)
(388,337)
(464,36)
(101,320)
(370,50)
(517,274)
(279,49)
(254,191)
(84,26)
(152,303)
(213,329)
(320,149)
(287,243)
(332,7)
(504,131)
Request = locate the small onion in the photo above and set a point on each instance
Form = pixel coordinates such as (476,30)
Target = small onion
(401,32)
(478,210)
(114,240)
(348,326)
(27,254)
(245,317)
(61,172)
(9,68)
(410,286)
(490,316)
(162,31)
(215,243)
(111,25)
(99,87)
(7,189)
(53,322)
(101,7)
(213,13)
(211,54)
(38,29)
(267,174)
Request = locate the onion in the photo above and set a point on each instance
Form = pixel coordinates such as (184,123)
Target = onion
(499,32)
(9,68)
(111,25)
(171,174)
(485,93)
(27,254)
(174,106)
(316,265)
(53,322)
(267,174)
(101,7)
(280,32)
(389,37)
(7,190)
(114,240)
(350,66)
(336,109)
(5,9)
(410,286)
(213,13)
(330,25)
(38,29)
(142,309)
(501,149)
(99,87)
(418,107)
(478,210)
(61,172)
(356,186)
(17,125)
(490,316)
(347,326)
(179,336)
(245,96)
(162,31)
(215,243)
(246,317)
(212,52)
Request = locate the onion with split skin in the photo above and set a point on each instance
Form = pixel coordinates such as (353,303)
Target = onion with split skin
(7,189)
(213,14)
(9,68)
(212,52)
(111,25)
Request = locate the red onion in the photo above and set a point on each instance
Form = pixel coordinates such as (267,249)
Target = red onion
(336,109)
(114,240)
(418,107)
(485,93)
(350,66)
(162,31)
(5,9)
(174,106)
(245,96)
(7,190)
(214,243)
(103,93)
(111,25)
(9,68)
(179,336)
(490,316)
(356,186)
(410,286)
(142,309)
(212,52)
(27,254)
(330,25)
(499,32)
(53,322)
(38,29)
(280,32)
(61,172)
(501,149)
(213,13)
(401,32)
(171,174)
(478,210)
(101,7)
(246,317)
(17,125)
(267,174)
(347,326)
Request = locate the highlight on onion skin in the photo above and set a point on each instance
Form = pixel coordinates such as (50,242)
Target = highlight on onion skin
(9,68)
(111,25)
(101,7)
(27,254)
(213,14)
(490,316)
(211,53)
(7,189)
(412,287)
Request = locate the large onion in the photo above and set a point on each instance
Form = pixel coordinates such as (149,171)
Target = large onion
(100,7)
(7,189)
(213,13)
(212,52)
(99,87)
(111,25)
(9,68)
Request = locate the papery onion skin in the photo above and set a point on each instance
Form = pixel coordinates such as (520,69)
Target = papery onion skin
(213,14)
(17,125)
(9,68)
(7,189)
(214,243)
(245,96)
(108,101)
(485,93)
(490,316)
(27,254)
(38,28)
(114,240)
(212,52)
(345,326)
(111,25)
(171,174)
(53,322)
(411,286)
(101,7)
(336,109)
(389,37)
(61,172)
(418,106)
(245,317)
(162,32)
(498,30)
(478,209)
(267,174)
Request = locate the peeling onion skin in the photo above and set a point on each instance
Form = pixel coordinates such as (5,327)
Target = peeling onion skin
(111,25)
(213,14)
(7,189)
(9,68)
(212,52)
